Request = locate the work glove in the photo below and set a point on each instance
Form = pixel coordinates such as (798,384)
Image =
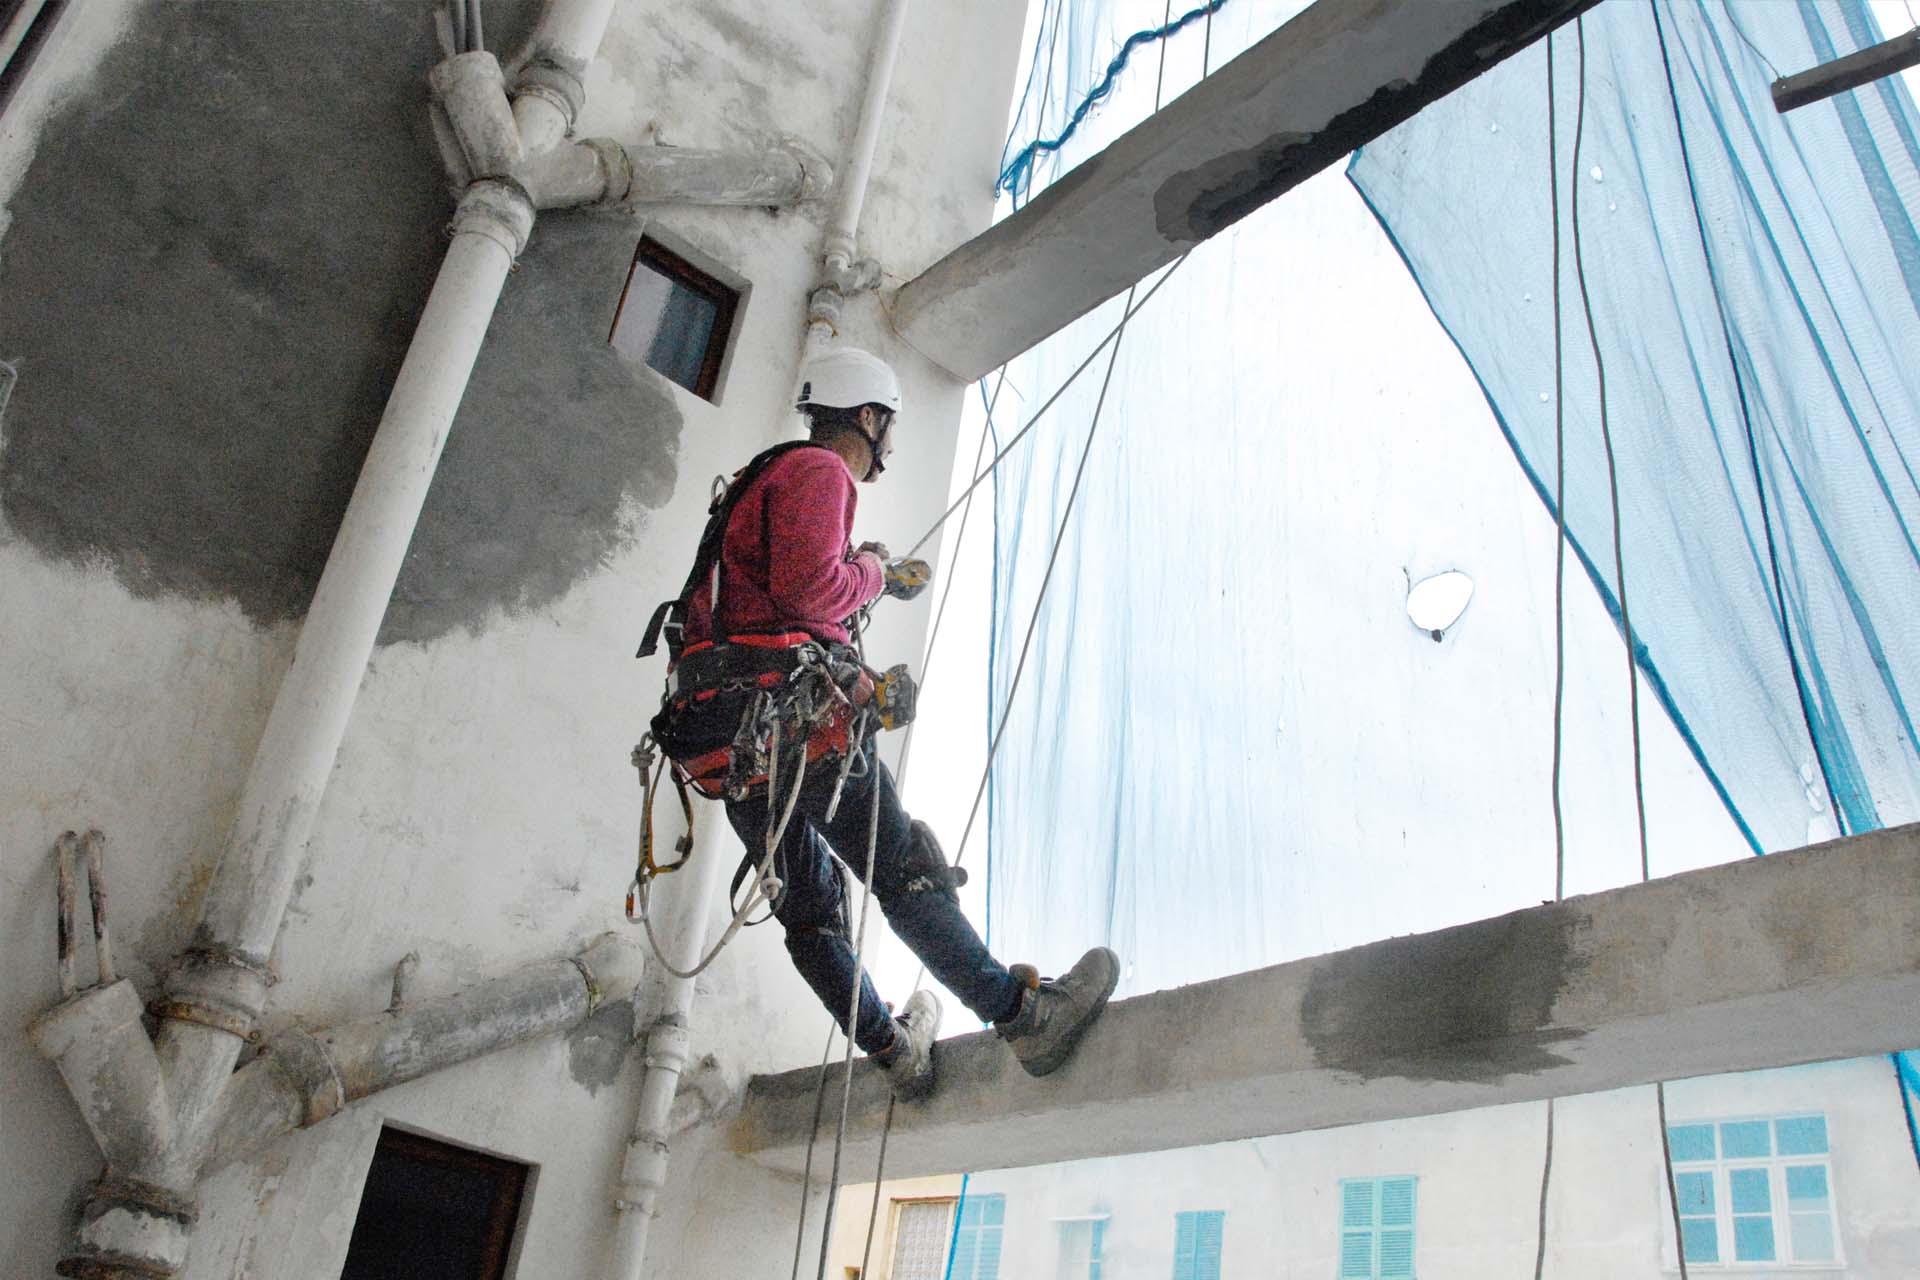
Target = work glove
(907,578)
(878,550)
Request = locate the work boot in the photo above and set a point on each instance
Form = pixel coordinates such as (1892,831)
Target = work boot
(908,1061)
(1055,1013)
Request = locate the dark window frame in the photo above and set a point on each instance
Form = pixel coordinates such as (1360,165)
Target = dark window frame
(724,297)
(510,1180)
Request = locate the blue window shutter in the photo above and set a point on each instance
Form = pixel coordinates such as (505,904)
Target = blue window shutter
(1356,1255)
(989,1264)
(962,1266)
(1356,1204)
(1209,1236)
(1185,1233)
(1396,1202)
(1396,1255)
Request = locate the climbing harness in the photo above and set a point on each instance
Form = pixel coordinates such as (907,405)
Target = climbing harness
(738,713)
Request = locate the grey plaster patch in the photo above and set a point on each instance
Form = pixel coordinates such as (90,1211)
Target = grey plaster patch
(597,1048)
(1472,1003)
(212,274)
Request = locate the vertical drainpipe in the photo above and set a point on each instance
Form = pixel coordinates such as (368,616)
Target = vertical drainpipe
(216,995)
(550,86)
(643,1172)
(841,272)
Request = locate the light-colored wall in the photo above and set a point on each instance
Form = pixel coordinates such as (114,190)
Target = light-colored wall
(1479,1186)
(482,809)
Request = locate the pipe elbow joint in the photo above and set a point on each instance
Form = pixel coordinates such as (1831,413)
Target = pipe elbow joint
(612,967)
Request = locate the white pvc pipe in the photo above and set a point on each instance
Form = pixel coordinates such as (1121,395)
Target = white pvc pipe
(267,841)
(567,36)
(845,225)
(687,916)
(309,717)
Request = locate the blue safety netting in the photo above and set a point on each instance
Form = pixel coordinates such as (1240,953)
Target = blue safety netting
(1754,280)
(1222,753)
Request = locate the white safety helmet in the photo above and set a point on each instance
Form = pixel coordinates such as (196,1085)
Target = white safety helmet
(846,378)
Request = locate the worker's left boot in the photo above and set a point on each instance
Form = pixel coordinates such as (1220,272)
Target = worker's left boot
(1053,1014)
(908,1061)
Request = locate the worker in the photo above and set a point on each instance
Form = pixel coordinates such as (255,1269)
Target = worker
(786,569)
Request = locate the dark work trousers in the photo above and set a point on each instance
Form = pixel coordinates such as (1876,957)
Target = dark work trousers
(909,880)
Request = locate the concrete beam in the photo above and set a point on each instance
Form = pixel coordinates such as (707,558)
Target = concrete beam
(1340,74)
(1797,957)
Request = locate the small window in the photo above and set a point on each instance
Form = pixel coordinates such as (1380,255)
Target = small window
(1196,1244)
(1376,1228)
(675,318)
(434,1211)
(922,1229)
(1754,1191)
(1082,1244)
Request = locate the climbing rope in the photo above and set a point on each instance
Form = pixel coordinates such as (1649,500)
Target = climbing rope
(1013,689)
(1620,583)
(1051,400)
(853,1000)
(766,887)
(1559,597)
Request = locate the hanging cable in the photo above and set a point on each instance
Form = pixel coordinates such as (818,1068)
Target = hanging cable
(1620,582)
(1051,400)
(1559,593)
(1613,477)
(953,562)
(1059,538)
(875,780)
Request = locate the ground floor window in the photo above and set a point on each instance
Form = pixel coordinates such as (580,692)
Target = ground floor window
(922,1229)
(1376,1228)
(1197,1237)
(1754,1190)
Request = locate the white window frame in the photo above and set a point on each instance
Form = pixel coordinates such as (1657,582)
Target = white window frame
(901,1205)
(1721,1168)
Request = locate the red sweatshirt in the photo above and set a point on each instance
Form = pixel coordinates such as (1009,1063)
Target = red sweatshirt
(786,562)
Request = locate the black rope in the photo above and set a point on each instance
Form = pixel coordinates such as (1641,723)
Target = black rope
(1620,582)
(1559,593)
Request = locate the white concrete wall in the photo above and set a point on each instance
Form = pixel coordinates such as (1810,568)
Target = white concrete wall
(482,809)
(1479,1186)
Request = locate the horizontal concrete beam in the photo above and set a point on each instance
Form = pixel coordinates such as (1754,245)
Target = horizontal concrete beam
(1339,75)
(1797,957)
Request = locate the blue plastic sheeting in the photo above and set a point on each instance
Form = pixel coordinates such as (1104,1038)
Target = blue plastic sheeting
(1754,281)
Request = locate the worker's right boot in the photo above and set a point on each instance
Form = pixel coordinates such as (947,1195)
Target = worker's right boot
(1056,1012)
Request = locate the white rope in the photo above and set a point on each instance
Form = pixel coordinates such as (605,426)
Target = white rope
(765,887)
